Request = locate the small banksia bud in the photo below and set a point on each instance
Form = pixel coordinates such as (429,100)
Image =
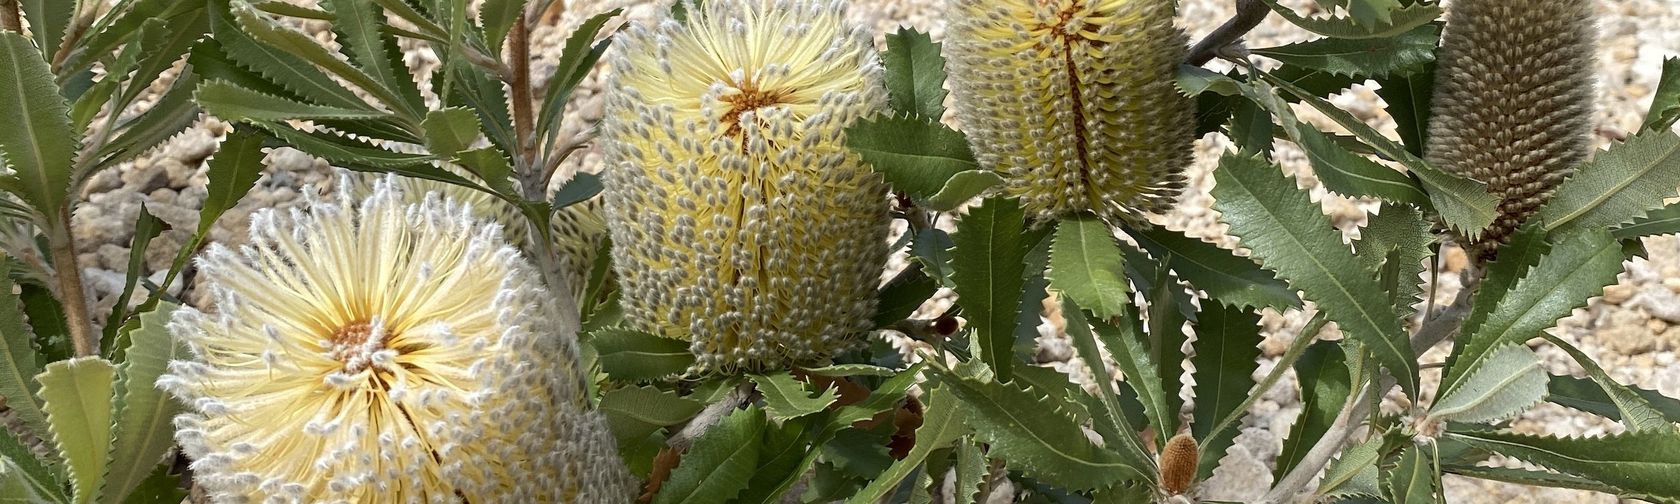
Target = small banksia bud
(364,350)
(1178,464)
(740,222)
(1513,103)
(1074,101)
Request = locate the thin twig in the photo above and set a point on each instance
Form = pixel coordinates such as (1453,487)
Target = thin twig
(710,416)
(1249,15)
(70,293)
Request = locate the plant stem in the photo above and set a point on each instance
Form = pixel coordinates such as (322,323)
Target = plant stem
(524,134)
(1249,15)
(10,17)
(69,276)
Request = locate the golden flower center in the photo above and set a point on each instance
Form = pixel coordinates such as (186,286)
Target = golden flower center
(749,99)
(353,344)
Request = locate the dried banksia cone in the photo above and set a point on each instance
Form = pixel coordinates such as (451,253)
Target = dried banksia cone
(1178,464)
(1513,101)
(369,351)
(740,222)
(1074,101)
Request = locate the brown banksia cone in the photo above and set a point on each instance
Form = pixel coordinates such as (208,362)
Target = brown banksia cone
(1178,464)
(1073,102)
(1513,102)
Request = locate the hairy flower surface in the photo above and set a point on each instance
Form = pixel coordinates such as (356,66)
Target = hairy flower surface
(1513,101)
(370,351)
(1074,101)
(739,220)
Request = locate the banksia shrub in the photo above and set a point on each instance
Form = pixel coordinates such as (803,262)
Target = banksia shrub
(370,351)
(739,220)
(1513,100)
(1074,101)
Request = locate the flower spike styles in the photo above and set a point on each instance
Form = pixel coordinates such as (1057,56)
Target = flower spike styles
(740,222)
(1074,102)
(1513,103)
(368,351)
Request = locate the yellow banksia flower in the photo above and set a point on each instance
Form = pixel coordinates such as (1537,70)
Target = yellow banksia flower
(367,351)
(1073,102)
(740,222)
(1513,103)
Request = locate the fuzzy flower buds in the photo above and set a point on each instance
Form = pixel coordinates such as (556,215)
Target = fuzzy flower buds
(369,351)
(739,220)
(1074,101)
(1513,102)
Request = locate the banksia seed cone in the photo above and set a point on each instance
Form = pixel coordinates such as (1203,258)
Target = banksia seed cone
(1074,101)
(740,222)
(1178,464)
(370,351)
(1513,101)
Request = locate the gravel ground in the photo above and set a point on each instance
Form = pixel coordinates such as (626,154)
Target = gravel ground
(1633,330)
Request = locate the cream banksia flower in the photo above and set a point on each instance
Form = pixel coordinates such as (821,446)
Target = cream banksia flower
(740,222)
(1513,101)
(369,351)
(1074,101)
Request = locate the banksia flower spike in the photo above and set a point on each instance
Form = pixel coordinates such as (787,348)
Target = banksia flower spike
(740,222)
(1513,101)
(1074,101)
(369,351)
(1178,464)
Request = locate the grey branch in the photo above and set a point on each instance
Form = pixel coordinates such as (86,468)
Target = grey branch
(1249,15)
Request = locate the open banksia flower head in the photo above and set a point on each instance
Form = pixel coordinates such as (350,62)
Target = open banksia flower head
(369,351)
(1074,101)
(1513,99)
(740,222)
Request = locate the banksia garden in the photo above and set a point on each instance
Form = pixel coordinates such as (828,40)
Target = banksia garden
(757,251)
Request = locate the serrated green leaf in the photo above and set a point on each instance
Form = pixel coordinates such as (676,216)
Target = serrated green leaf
(720,463)
(1507,382)
(885,397)
(901,297)
(1370,57)
(161,487)
(915,73)
(1637,414)
(577,58)
(1372,12)
(631,355)
(636,412)
(17,375)
(1665,105)
(77,396)
(916,155)
(961,188)
(1109,419)
(1663,221)
(839,370)
(173,113)
(1227,352)
(1577,268)
(942,423)
(497,18)
(1030,310)
(142,433)
(932,248)
(1034,438)
(368,43)
(1641,463)
(232,171)
(280,67)
(1195,80)
(1170,308)
(1289,235)
(146,227)
(988,271)
(48,20)
(1341,171)
(1399,21)
(1618,186)
(1354,472)
(234,103)
(581,188)
(1587,395)
(786,398)
(1412,481)
(45,481)
(282,38)
(1409,97)
(490,166)
(971,470)
(1398,237)
(38,144)
(1226,278)
(1086,266)
(1326,383)
(283,8)
(1531,478)
(450,130)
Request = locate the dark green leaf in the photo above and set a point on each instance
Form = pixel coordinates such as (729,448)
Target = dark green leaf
(1227,349)
(942,424)
(961,188)
(932,248)
(631,355)
(1195,80)
(1587,395)
(720,463)
(1109,420)
(636,412)
(1397,239)
(1371,57)
(1636,413)
(1412,481)
(1325,384)
(580,188)
(1086,266)
(1665,106)
(1530,478)
(146,227)
(576,60)
(497,18)
(449,130)
(786,398)
(365,37)
(48,20)
(989,272)
(297,76)
(1619,185)
(282,38)
(1409,97)
(915,74)
(234,103)
(1341,171)
(1035,438)
(1400,21)
(1663,221)
(1637,463)
(916,155)
(1226,278)
(17,376)
(900,298)
(160,487)
(37,143)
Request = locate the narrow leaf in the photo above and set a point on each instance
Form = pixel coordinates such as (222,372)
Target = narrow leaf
(146,227)
(281,67)
(1109,420)
(450,130)
(143,432)
(1665,105)
(38,143)
(1400,21)
(1509,381)
(367,41)
(941,424)
(988,271)
(1409,97)
(1637,413)
(77,394)
(631,355)
(1325,385)
(1354,472)
(1587,395)
(1663,221)
(282,38)
(1398,238)
(1412,481)
(17,375)
(577,58)
(1371,57)
(1226,278)
(1619,185)
(961,188)
(1642,463)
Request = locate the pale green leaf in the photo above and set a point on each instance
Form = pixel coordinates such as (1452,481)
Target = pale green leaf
(47,481)
(1507,382)
(17,382)
(1639,463)
(1226,278)
(786,398)
(637,412)
(1577,268)
(450,130)
(235,103)
(1531,478)
(1618,186)
(1028,432)
(915,73)
(838,370)
(1354,472)
(1227,352)
(971,471)
(1396,242)
(1086,266)
(1665,105)
(916,155)
(1636,412)
(631,355)
(720,463)
(282,38)
(1371,57)
(1412,480)
(988,271)
(961,188)
(77,395)
(37,143)
(1289,235)
(1195,80)
(942,423)
(15,486)
(1400,21)
(143,432)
